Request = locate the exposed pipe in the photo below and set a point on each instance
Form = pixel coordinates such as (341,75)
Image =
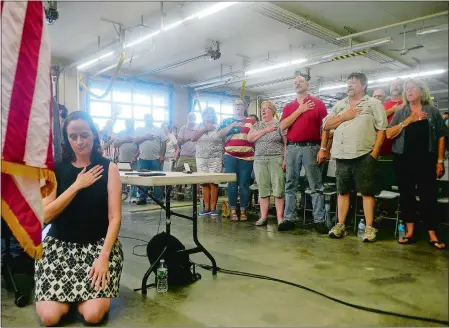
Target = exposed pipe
(171,66)
(214,79)
(418,19)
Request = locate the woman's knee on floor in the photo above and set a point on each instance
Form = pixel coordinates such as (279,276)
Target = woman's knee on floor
(93,311)
(50,313)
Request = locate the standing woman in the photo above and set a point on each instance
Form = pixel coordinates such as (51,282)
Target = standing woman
(172,151)
(238,158)
(209,157)
(418,145)
(269,161)
(82,258)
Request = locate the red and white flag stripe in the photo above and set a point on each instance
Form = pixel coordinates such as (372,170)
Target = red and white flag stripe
(27,146)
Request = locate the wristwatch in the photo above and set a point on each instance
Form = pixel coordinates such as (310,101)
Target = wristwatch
(323,148)
(440,161)
(401,125)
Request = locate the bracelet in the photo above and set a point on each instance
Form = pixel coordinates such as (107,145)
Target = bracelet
(401,125)
(323,148)
(440,161)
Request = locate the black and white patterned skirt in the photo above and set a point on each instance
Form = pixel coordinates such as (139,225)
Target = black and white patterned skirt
(62,274)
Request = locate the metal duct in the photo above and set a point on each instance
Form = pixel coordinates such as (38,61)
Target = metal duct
(171,66)
(293,20)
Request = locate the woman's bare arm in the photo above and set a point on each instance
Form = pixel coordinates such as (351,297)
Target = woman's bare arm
(114,210)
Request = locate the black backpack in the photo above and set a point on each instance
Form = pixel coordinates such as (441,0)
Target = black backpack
(178,264)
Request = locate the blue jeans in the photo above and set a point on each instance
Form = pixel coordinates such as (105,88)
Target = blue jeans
(133,188)
(243,170)
(298,156)
(153,165)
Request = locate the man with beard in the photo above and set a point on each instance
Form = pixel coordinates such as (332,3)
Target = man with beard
(391,106)
(303,118)
(359,123)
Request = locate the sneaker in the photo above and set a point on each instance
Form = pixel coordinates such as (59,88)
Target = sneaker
(133,200)
(204,212)
(321,227)
(338,231)
(286,225)
(253,186)
(141,202)
(213,213)
(370,234)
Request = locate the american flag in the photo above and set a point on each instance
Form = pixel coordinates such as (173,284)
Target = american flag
(26,144)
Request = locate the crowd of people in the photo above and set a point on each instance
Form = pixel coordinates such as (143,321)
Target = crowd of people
(356,132)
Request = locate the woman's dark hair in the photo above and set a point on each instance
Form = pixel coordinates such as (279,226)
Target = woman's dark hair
(255,117)
(67,152)
(63,111)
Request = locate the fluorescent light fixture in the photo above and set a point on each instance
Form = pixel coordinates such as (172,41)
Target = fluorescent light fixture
(358,47)
(215,8)
(388,79)
(432,29)
(333,87)
(106,55)
(270,68)
(204,13)
(95,60)
(282,96)
(144,38)
(173,25)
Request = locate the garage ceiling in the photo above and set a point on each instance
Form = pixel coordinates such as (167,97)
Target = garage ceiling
(243,32)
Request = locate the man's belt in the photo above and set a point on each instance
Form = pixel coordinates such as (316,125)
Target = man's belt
(304,144)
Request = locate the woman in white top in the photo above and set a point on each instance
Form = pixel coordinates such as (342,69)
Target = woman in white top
(172,151)
(209,157)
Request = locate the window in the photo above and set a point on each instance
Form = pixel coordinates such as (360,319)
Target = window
(126,102)
(223,108)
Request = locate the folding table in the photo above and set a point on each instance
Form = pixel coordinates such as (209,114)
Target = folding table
(176,178)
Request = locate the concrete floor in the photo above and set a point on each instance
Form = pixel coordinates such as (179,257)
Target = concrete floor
(409,279)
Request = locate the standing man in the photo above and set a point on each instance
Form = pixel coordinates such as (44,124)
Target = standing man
(391,106)
(379,94)
(303,118)
(152,143)
(127,149)
(188,147)
(445,117)
(359,122)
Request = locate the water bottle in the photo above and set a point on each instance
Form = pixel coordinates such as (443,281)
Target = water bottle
(361,230)
(162,276)
(401,229)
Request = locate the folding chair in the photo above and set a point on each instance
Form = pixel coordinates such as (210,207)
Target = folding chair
(329,189)
(388,179)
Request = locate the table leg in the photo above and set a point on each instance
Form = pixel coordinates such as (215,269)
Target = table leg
(195,230)
(167,209)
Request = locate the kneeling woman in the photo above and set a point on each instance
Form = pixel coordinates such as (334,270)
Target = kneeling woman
(269,161)
(82,258)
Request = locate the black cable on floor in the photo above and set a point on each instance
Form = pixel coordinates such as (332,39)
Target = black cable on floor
(359,307)
(355,306)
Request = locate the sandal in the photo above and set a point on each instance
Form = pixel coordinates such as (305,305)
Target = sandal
(261,222)
(243,216)
(408,240)
(434,243)
(234,216)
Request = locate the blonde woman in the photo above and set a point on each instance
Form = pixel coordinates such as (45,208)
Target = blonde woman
(418,144)
(209,157)
(269,161)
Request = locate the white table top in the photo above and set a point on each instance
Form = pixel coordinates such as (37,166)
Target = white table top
(176,178)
